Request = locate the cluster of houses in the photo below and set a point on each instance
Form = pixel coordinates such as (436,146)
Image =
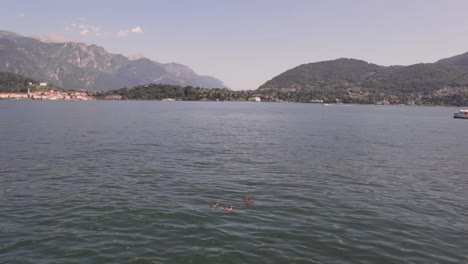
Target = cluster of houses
(255,99)
(47,95)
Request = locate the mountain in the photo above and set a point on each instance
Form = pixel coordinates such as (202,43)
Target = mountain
(356,81)
(89,67)
(186,74)
(459,60)
(340,71)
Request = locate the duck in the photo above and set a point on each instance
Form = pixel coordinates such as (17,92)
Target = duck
(249,202)
(246,197)
(228,208)
(214,205)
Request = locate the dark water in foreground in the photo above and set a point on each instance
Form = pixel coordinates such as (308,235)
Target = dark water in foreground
(101,182)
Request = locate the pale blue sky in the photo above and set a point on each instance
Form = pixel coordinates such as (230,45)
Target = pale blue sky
(247,42)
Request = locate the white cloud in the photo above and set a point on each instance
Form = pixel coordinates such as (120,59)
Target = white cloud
(124,32)
(52,38)
(137,29)
(85,29)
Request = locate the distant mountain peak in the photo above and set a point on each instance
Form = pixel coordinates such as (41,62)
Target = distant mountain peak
(179,70)
(4,33)
(342,70)
(52,38)
(350,60)
(136,56)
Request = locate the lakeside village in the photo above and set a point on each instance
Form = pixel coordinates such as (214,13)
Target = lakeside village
(161,92)
(50,94)
(44,92)
(60,95)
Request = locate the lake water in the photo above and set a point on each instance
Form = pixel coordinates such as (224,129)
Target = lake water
(131,182)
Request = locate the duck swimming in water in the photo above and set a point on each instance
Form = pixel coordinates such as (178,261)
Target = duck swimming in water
(246,197)
(228,208)
(248,200)
(214,205)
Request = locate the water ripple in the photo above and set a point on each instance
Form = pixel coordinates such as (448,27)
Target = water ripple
(349,188)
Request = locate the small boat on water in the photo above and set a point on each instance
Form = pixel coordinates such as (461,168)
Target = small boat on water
(461,114)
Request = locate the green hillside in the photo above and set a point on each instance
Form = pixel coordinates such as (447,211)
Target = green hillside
(10,82)
(356,81)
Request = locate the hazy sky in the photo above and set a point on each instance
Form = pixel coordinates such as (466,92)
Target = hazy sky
(247,42)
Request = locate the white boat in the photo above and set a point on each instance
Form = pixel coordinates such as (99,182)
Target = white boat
(461,114)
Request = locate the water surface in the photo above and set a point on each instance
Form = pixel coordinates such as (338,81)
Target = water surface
(101,182)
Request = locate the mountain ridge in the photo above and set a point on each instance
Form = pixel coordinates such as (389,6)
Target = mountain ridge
(458,60)
(357,81)
(76,65)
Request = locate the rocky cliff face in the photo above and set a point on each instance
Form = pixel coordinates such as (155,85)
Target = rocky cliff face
(81,66)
